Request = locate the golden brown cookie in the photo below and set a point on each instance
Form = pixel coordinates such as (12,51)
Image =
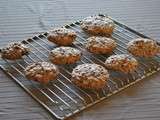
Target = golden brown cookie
(143,47)
(123,62)
(98,25)
(62,36)
(90,76)
(42,72)
(65,55)
(14,51)
(100,45)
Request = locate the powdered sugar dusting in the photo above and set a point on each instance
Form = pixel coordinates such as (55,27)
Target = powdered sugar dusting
(65,51)
(61,31)
(102,42)
(120,58)
(41,67)
(141,41)
(98,21)
(90,71)
(13,47)
(123,62)
(143,47)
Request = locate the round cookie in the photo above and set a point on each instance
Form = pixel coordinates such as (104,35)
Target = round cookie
(123,62)
(143,47)
(65,55)
(98,25)
(14,51)
(90,76)
(62,36)
(42,72)
(100,45)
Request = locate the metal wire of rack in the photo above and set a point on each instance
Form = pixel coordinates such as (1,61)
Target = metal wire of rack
(62,98)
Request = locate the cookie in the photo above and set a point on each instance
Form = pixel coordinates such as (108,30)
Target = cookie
(62,36)
(14,51)
(42,72)
(90,76)
(143,47)
(65,55)
(98,25)
(123,62)
(100,45)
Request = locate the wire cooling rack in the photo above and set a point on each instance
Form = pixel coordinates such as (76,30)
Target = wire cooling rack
(62,98)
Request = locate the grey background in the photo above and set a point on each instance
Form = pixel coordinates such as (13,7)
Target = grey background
(20,19)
